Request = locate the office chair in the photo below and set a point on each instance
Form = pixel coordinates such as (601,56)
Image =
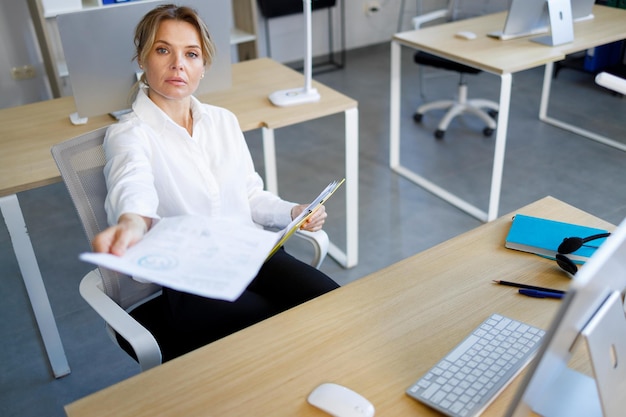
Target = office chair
(461,104)
(129,308)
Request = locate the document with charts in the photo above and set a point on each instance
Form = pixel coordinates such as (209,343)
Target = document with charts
(211,257)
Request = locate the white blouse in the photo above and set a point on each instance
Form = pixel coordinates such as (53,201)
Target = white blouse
(155,169)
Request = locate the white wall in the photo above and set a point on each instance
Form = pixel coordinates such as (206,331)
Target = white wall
(361,28)
(19,46)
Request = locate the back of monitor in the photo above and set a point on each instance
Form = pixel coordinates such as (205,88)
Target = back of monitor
(582,9)
(561,23)
(98,48)
(525,17)
(593,311)
(531,17)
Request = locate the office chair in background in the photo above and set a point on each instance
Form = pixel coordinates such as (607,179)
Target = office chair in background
(456,10)
(129,308)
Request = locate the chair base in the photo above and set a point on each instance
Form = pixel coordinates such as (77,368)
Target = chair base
(458,107)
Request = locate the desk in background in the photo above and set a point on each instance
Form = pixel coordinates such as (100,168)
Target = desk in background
(376,335)
(502,58)
(28,132)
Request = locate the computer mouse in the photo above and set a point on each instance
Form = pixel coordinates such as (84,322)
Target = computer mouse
(339,401)
(464,34)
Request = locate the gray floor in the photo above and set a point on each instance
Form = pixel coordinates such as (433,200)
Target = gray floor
(396,218)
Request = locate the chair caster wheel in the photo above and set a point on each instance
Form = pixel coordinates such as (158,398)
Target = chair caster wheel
(488,131)
(439,133)
(417,117)
(493,114)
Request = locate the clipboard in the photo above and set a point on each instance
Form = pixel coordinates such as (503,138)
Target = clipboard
(296,223)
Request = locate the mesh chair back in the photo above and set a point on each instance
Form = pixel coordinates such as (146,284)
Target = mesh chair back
(81,161)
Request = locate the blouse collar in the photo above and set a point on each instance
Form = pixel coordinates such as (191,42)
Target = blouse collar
(148,112)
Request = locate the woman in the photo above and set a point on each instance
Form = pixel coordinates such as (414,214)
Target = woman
(173,155)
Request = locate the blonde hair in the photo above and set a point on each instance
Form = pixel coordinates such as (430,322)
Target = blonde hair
(146,30)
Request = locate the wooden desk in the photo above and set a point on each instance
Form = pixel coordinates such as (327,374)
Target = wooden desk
(376,335)
(503,58)
(28,132)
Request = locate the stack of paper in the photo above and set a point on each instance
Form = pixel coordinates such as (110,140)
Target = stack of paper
(214,258)
(211,257)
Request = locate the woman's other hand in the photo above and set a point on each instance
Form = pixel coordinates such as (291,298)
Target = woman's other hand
(129,230)
(315,222)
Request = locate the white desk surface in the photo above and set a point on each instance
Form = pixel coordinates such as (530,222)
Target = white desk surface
(28,132)
(510,56)
(376,335)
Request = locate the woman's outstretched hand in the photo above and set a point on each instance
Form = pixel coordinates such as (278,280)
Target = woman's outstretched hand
(117,239)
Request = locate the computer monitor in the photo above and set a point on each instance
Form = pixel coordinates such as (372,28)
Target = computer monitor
(531,17)
(98,48)
(582,9)
(524,18)
(591,313)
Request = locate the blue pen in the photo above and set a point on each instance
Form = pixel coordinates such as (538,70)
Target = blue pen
(540,294)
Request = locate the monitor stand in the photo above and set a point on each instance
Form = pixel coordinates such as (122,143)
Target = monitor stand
(77,120)
(572,394)
(306,94)
(576,395)
(561,24)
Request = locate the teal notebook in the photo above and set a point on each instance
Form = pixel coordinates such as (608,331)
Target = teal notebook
(543,237)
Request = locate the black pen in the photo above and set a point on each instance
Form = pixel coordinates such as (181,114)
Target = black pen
(540,294)
(528,287)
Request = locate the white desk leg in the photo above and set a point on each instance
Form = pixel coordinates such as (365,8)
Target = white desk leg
(269,158)
(498,155)
(351,257)
(394,148)
(10,208)
(543,115)
(545,91)
(394,106)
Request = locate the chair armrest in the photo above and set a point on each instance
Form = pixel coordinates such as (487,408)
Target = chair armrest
(418,21)
(320,243)
(143,343)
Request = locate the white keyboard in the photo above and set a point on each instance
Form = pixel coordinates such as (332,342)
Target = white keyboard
(471,376)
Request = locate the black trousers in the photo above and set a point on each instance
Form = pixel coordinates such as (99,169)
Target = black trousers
(283,282)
